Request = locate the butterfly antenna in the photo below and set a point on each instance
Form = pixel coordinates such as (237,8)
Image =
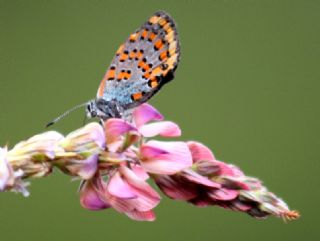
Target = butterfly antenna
(65,114)
(84,120)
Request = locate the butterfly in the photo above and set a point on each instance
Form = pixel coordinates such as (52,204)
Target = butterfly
(144,63)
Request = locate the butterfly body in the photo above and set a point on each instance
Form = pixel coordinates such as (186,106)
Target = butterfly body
(104,109)
(141,66)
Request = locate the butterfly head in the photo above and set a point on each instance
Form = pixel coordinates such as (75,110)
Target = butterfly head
(104,109)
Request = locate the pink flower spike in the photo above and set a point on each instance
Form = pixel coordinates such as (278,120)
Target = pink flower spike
(200,152)
(163,128)
(120,188)
(115,128)
(165,157)
(90,197)
(145,113)
(142,216)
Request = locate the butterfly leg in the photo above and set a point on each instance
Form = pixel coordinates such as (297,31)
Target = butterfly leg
(128,115)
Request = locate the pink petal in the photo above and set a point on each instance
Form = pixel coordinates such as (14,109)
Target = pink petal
(258,213)
(44,143)
(92,132)
(150,151)
(140,203)
(223,194)
(165,157)
(147,197)
(142,216)
(228,169)
(119,204)
(225,169)
(115,127)
(240,206)
(202,201)
(200,152)
(207,168)
(196,178)
(139,171)
(90,198)
(236,170)
(175,188)
(120,188)
(163,128)
(116,144)
(84,168)
(96,133)
(145,113)
(234,183)
(252,183)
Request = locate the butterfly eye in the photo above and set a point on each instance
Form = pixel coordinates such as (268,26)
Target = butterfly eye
(91,110)
(93,113)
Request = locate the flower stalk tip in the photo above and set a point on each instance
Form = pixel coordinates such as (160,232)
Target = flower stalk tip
(290,215)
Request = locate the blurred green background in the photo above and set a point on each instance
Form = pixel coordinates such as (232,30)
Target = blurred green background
(247,86)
